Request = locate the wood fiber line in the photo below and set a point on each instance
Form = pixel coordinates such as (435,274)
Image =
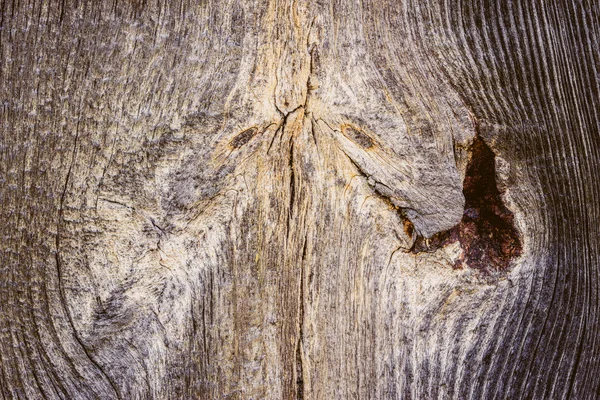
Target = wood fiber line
(299,199)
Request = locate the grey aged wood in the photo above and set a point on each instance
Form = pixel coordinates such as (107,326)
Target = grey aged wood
(299,199)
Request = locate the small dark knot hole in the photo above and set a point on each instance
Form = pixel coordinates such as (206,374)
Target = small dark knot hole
(487,232)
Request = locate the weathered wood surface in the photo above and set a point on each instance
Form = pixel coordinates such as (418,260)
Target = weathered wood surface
(299,199)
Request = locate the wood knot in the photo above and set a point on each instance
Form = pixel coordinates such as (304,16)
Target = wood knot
(358,136)
(243,137)
(487,232)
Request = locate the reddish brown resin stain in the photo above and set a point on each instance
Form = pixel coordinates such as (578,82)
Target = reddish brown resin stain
(487,232)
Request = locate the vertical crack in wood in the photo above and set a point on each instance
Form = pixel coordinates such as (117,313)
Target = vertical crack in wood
(292,189)
(299,364)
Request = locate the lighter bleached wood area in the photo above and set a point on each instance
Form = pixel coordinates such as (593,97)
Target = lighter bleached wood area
(299,200)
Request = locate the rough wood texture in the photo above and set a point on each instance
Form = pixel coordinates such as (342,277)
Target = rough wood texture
(299,199)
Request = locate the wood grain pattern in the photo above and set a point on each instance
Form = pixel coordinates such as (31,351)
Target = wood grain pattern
(285,199)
